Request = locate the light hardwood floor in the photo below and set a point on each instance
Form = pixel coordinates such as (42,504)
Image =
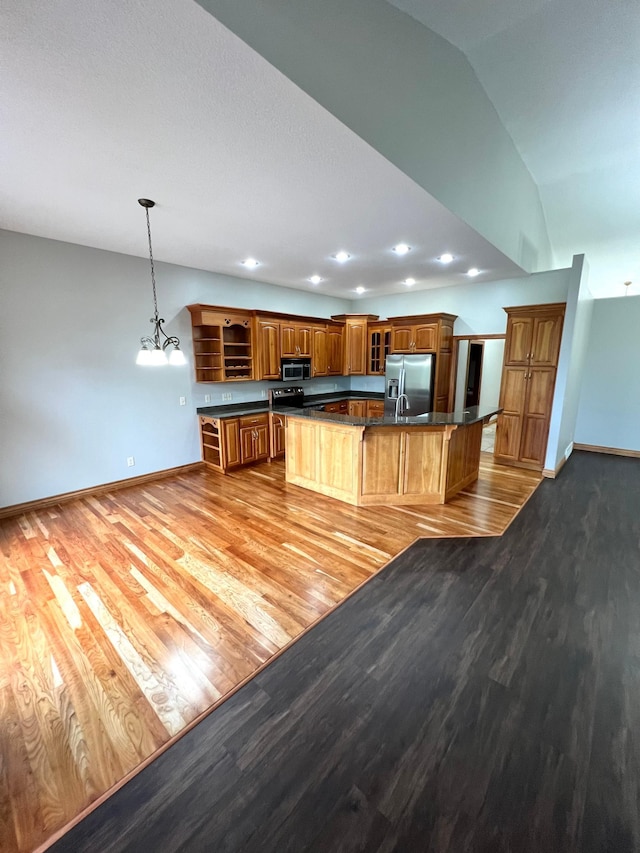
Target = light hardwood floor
(124,617)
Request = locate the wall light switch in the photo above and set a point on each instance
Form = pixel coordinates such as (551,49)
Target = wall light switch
(183,401)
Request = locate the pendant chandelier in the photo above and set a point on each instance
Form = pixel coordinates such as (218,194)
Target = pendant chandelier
(152,349)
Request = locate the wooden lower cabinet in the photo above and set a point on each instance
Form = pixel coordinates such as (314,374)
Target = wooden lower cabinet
(339,408)
(368,465)
(229,442)
(375,408)
(532,349)
(254,438)
(276,435)
(357,408)
(220,442)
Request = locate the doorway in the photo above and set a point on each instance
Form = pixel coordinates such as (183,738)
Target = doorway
(474,374)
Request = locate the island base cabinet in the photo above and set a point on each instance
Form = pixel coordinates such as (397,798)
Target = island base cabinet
(382,465)
(330,460)
(423,462)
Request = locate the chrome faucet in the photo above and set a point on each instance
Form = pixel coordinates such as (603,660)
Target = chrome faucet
(401,397)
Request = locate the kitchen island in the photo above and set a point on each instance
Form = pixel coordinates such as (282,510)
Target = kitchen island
(425,459)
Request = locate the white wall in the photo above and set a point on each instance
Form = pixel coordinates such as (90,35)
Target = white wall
(573,353)
(479,307)
(73,403)
(609,404)
(413,97)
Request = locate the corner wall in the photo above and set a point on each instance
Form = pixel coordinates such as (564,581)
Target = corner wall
(573,353)
(609,404)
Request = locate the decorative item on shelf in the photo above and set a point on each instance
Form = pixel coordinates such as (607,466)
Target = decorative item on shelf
(152,349)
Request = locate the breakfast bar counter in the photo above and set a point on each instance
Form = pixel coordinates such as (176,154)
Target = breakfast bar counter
(425,459)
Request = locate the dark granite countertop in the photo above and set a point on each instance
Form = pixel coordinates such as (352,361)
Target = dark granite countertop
(460,418)
(236,410)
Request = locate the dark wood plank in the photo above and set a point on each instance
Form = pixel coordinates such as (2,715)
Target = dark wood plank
(476,695)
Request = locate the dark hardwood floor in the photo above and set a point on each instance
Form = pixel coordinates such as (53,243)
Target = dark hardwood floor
(476,695)
(127,615)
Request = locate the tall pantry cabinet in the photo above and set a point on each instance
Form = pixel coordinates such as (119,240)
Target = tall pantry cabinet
(531,353)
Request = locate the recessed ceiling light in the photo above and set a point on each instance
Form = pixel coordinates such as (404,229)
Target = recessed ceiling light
(315,279)
(446,258)
(341,256)
(409,282)
(473,271)
(401,249)
(250,263)
(361,289)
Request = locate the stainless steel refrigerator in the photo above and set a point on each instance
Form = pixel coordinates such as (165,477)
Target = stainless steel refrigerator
(408,384)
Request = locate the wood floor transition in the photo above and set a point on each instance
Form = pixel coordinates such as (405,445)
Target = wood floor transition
(125,616)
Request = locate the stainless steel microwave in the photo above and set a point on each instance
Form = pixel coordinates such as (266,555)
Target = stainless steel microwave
(295,369)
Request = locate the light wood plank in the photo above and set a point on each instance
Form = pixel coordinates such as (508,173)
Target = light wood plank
(125,614)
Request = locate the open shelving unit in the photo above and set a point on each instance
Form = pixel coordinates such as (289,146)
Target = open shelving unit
(210,439)
(222,344)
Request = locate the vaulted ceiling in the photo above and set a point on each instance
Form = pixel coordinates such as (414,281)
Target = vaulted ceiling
(564,77)
(104,104)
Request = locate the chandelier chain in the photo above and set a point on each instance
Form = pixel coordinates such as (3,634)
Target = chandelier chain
(153,272)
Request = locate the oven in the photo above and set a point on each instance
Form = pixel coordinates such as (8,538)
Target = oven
(281,397)
(295,369)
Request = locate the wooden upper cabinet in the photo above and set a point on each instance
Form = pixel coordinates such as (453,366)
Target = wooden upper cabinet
(268,347)
(428,333)
(378,348)
(356,349)
(401,339)
(518,343)
(418,337)
(335,353)
(534,338)
(355,342)
(425,337)
(319,356)
(295,340)
(545,343)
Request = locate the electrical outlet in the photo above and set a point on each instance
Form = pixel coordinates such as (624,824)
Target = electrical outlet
(263,394)
(183,401)
(207,398)
(335,386)
(130,461)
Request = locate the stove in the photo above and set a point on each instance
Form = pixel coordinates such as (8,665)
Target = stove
(280,397)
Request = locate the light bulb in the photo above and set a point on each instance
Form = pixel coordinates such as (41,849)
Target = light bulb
(144,356)
(157,357)
(401,249)
(176,357)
